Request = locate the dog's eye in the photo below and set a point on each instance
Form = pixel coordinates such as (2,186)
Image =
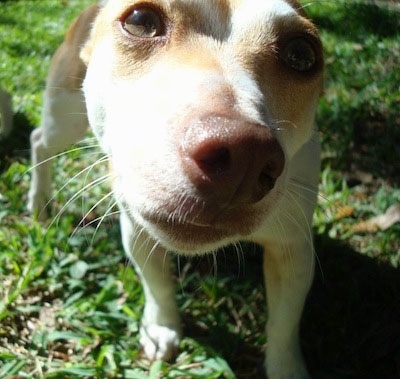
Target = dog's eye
(299,54)
(144,23)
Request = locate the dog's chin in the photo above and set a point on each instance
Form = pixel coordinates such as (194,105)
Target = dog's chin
(200,236)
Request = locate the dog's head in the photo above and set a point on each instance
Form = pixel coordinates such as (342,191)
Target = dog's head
(201,105)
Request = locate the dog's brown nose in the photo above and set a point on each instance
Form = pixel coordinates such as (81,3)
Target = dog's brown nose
(230,161)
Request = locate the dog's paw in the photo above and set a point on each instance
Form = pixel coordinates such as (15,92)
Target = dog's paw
(286,367)
(288,373)
(284,375)
(159,342)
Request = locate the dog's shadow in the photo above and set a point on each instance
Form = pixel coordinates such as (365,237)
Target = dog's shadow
(351,323)
(16,145)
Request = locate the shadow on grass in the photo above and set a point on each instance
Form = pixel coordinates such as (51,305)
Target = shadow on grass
(362,57)
(208,319)
(351,323)
(357,20)
(16,145)
(365,151)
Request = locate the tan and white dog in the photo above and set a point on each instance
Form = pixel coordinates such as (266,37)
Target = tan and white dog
(205,109)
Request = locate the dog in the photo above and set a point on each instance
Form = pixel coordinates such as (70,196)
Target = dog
(6,113)
(205,110)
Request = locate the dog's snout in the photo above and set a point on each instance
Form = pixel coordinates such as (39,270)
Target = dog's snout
(231,161)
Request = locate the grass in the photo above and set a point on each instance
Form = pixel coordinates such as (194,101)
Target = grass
(70,304)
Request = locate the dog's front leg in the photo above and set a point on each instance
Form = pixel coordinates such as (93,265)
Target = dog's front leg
(160,330)
(6,114)
(288,270)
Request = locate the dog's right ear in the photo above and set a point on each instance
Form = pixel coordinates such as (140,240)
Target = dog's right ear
(87,48)
(89,17)
(86,51)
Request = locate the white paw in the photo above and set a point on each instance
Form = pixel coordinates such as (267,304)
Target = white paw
(159,342)
(286,366)
(288,375)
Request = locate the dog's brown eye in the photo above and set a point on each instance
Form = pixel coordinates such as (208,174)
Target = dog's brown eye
(299,54)
(144,23)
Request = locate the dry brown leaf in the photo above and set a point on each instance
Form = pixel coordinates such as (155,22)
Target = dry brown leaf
(344,211)
(382,222)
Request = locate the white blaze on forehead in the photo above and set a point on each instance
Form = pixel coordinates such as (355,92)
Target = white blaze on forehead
(250,20)
(252,12)
(250,100)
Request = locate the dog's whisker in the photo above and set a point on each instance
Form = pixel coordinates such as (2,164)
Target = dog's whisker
(287,248)
(138,230)
(241,258)
(298,185)
(299,182)
(307,5)
(282,233)
(156,244)
(178,209)
(180,274)
(96,221)
(165,264)
(88,138)
(304,187)
(77,195)
(309,237)
(179,216)
(76,113)
(139,248)
(286,122)
(69,181)
(58,155)
(107,213)
(61,87)
(88,172)
(304,227)
(306,231)
(81,172)
(83,224)
(301,196)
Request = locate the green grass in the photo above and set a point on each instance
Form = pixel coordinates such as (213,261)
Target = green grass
(70,304)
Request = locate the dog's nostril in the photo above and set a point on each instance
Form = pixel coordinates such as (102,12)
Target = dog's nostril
(215,161)
(266,181)
(268,175)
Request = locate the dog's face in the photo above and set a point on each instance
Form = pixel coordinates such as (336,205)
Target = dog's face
(201,105)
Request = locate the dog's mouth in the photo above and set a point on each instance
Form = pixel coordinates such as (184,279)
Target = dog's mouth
(202,231)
